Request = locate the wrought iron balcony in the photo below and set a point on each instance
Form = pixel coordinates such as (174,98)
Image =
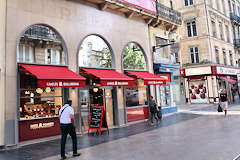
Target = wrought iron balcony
(41,32)
(235,18)
(168,13)
(236,43)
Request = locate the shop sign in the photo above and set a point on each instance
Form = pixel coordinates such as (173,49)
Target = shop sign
(149,5)
(42,125)
(198,71)
(166,77)
(153,82)
(60,83)
(227,71)
(182,72)
(117,83)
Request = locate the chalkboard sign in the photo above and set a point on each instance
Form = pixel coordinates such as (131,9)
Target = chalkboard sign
(96,116)
(97,119)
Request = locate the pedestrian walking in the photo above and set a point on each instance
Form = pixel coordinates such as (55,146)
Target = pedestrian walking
(66,114)
(153,109)
(224,101)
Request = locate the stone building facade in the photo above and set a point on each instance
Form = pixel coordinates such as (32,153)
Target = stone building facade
(120,27)
(208,58)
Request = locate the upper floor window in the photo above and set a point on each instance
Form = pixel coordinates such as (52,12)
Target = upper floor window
(188,2)
(94,52)
(191,29)
(221,31)
(224,57)
(25,54)
(217,55)
(223,6)
(41,45)
(133,57)
(194,53)
(231,58)
(227,33)
(217,3)
(214,28)
(52,56)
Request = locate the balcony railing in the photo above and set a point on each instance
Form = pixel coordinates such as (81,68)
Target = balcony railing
(169,14)
(234,17)
(41,32)
(236,42)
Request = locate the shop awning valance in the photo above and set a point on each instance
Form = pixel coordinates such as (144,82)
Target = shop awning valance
(108,77)
(149,78)
(232,81)
(53,76)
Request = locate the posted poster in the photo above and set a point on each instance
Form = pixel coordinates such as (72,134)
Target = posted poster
(198,92)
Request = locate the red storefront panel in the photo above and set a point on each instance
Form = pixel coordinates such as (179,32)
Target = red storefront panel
(149,5)
(137,114)
(33,129)
(108,77)
(53,76)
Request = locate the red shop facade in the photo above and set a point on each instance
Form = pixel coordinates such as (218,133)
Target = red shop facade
(43,90)
(203,84)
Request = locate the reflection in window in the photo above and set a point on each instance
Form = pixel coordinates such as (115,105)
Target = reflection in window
(94,52)
(41,45)
(133,57)
(136,96)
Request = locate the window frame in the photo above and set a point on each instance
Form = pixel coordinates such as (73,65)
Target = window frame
(192,31)
(31,53)
(188,3)
(196,57)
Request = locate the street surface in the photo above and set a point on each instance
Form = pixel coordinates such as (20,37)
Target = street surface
(197,132)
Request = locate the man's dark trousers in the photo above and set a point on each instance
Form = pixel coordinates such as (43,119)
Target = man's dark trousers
(68,129)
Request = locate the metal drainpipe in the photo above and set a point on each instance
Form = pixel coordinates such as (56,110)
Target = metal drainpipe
(206,12)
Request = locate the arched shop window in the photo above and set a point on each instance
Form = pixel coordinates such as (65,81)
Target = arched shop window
(133,57)
(95,53)
(40,44)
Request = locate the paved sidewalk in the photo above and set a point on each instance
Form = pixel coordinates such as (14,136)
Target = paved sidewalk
(180,136)
(52,148)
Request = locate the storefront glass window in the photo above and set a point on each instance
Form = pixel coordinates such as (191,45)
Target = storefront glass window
(165,95)
(133,57)
(94,52)
(136,96)
(40,45)
(36,102)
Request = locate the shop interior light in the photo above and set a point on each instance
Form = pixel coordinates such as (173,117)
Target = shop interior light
(48,90)
(95,89)
(27,92)
(39,90)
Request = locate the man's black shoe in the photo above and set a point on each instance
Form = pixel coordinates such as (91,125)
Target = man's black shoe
(62,158)
(76,154)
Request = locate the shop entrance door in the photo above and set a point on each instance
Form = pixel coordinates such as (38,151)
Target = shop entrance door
(95,97)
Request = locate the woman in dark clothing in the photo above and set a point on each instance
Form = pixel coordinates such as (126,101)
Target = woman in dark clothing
(153,109)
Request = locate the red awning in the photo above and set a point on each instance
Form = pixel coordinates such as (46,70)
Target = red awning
(149,78)
(54,76)
(232,81)
(108,77)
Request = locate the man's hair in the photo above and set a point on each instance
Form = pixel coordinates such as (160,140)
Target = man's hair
(151,97)
(69,101)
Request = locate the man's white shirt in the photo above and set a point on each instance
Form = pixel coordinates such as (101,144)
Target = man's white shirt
(65,116)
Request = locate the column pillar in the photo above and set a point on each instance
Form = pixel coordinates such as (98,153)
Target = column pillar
(2,68)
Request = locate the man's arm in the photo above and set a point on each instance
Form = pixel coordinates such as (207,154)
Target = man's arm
(72,118)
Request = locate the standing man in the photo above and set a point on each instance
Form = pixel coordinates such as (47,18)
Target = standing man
(153,109)
(66,114)
(224,101)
